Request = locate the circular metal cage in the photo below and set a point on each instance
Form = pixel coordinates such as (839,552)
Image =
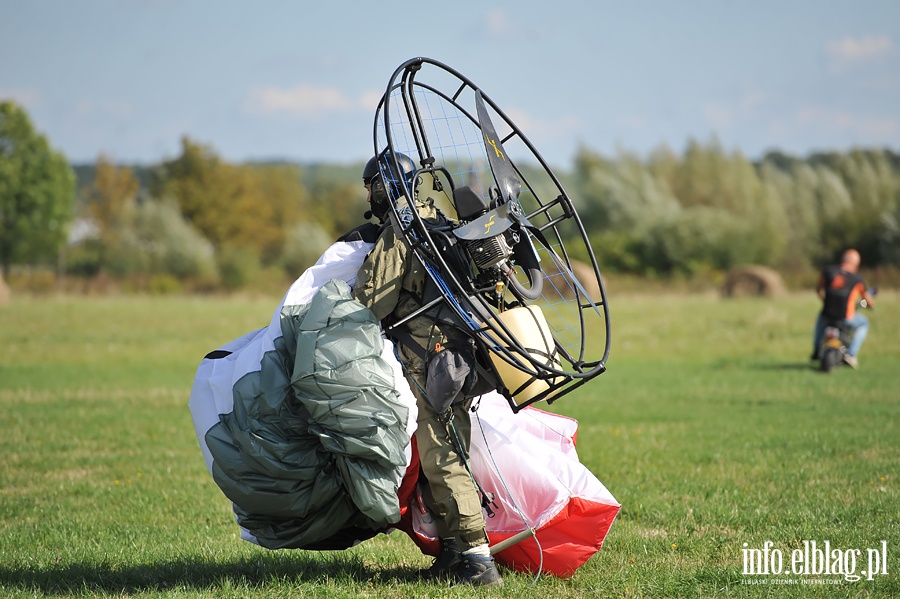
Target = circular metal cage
(530,293)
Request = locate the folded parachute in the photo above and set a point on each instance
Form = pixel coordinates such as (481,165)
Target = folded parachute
(301,423)
(306,427)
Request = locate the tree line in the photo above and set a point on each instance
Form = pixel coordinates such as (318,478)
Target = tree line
(198,222)
(710,210)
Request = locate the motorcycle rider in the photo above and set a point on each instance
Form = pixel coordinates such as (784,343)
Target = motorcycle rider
(840,288)
(391,283)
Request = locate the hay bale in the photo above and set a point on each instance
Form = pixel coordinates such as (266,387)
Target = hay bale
(753,281)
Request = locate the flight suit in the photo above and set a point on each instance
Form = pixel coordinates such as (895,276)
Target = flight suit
(391,283)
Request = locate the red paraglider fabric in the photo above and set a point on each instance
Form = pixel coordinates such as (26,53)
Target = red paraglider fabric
(528,462)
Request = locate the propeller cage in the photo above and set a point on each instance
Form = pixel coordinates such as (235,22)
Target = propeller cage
(537,341)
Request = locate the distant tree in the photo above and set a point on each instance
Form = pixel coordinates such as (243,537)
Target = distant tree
(305,243)
(337,207)
(875,189)
(275,193)
(109,203)
(233,205)
(157,240)
(111,195)
(194,182)
(794,186)
(37,192)
(707,210)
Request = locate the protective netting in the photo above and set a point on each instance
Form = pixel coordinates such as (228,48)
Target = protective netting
(430,113)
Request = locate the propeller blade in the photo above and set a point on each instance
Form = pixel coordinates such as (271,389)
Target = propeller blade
(504,173)
(491,223)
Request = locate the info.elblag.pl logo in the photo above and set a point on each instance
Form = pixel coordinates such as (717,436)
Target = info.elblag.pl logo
(813,558)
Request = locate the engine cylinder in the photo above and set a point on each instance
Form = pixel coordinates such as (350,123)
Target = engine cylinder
(489,252)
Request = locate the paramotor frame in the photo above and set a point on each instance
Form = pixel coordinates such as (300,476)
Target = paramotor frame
(515,238)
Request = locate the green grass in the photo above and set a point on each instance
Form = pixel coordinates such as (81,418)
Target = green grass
(710,427)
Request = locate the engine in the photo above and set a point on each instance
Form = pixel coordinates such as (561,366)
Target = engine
(494,241)
(485,249)
(490,251)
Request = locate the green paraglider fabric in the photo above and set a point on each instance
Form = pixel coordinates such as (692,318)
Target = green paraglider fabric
(317,435)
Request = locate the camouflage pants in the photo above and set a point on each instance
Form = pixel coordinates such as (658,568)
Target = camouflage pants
(450,493)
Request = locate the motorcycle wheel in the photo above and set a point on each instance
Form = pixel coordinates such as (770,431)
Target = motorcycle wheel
(830,359)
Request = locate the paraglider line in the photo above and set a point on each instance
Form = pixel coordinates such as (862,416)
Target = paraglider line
(515,505)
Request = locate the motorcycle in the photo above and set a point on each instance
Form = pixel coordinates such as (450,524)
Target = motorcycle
(836,340)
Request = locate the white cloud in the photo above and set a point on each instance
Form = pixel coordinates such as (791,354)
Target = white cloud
(308,101)
(533,127)
(718,115)
(748,105)
(828,119)
(501,26)
(850,51)
(29,98)
(370,98)
(498,22)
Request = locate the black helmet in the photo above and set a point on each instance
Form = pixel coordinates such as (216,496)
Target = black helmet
(386,161)
(372,176)
(370,170)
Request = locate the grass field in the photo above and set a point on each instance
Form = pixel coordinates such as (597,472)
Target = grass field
(711,428)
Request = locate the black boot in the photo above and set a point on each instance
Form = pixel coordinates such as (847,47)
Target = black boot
(477,570)
(444,564)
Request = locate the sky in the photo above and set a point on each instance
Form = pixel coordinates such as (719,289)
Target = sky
(299,80)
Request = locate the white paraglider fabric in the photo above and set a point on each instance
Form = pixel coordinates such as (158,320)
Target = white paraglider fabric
(215,379)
